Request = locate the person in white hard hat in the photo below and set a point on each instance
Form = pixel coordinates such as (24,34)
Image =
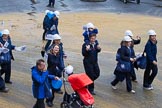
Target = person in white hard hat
(89,29)
(69,70)
(5,42)
(126,54)
(151,68)
(134,42)
(51,3)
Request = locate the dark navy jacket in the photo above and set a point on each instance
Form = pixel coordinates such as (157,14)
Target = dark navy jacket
(55,66)
(91,55)
(61,52)
(86,34)
(55,23)
(151,51)
(10,46)
(126,53)
(39,79)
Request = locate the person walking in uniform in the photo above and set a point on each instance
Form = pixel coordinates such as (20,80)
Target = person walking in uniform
(126,53)
(134,42)
(90,52)
(151,67)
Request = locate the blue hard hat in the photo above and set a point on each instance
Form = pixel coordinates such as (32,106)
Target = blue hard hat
(56,84)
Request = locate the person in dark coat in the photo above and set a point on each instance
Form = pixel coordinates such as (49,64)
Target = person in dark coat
(90,52)
(55,67)
(5,41)
(46,22)
(53,28)
(151,68)
(89,29)
(51,3)
(126,53)
(134,42)
(57,41)
(40,85)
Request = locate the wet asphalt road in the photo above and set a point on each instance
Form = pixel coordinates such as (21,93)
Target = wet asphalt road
(147,7)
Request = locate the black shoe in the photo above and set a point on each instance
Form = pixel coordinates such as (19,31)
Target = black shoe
(8,82)
(49,104)
(93,93)
(59,92)
(5,90)
(48,5)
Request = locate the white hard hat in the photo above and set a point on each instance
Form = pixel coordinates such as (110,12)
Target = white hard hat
(69,69)
(56,37)
(151,32)
(128,33)
(47,11)
(6,31)
(90,25)
(127,38)
(57,13)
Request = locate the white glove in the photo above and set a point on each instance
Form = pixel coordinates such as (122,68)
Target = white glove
(53,27)
(21,48)
(4,50)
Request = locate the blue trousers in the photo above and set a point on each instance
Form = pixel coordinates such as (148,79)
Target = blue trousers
(128,81)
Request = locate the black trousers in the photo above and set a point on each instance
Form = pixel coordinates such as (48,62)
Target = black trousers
(47,45)
(148,75)
(53,96)
(52,2)
(128,81)
(93,72)
(6,69)
(39,104)
(44,34)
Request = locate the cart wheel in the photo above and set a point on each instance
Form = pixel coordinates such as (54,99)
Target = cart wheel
(64,105)
(125,1)
(138,1)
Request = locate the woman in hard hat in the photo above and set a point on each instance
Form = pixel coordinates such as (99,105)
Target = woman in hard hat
(134,42)
(90,52)
(54,67)
(5,42)
(5,63)
(151,68)
(126,53)
(89,29)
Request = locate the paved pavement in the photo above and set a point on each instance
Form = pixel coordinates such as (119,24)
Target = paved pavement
(148,7)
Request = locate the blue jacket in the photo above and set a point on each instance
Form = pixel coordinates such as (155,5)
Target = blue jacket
(151,51)
(87,33)
(10,46)
(91,55)
(39,79)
